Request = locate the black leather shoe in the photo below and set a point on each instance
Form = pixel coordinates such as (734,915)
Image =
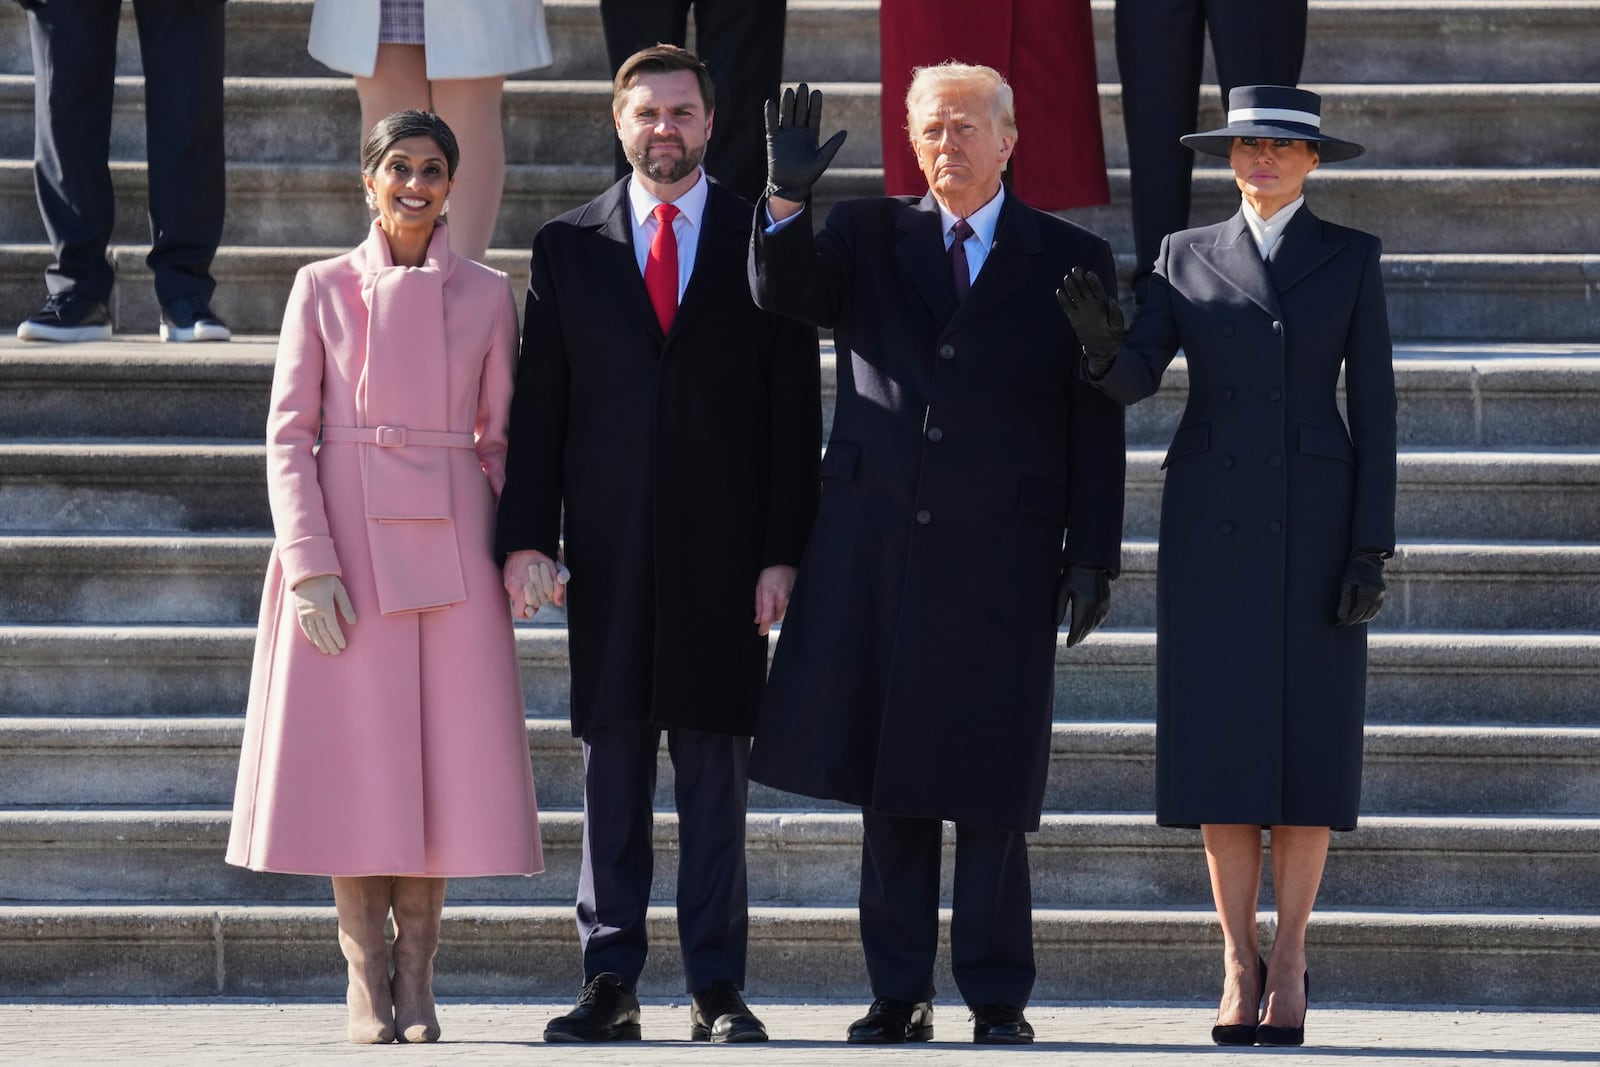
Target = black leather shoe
(720,1015)
(891,1022)
(68,318)
(606,1011)
(1287,1036)
(1242,1033)
(1000,1024)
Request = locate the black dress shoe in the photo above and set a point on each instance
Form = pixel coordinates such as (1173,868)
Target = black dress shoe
(720,1015)
(1242,1033)
(1288,1036)
(1000,1024)
(606,1011)
(891,1022)
(65,317)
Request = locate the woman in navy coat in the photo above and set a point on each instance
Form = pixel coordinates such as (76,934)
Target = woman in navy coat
(1275,521)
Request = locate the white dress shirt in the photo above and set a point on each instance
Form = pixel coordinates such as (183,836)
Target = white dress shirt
(1268,231)
(983,222)
(686,226)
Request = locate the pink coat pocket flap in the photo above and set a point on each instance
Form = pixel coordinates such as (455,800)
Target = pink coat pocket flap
(416,565)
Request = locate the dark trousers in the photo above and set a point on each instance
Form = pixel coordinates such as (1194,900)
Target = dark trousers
(619,764)
(741,43)
(991,924)
(1160,48)
(74,63)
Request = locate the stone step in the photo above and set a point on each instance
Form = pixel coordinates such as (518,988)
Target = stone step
(801,859)
(1536,124)
(1454,296)
(1503,959)
(1414,210)
(837,40)
(219,486)
(1462,395)
(201,671)
(1481,769)
(69,578)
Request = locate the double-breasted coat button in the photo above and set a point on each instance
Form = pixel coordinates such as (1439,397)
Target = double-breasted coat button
(935,434)
(1227,463)
(947,351)
(1274,461)
(1275,526)
(924,517)
(1227,396)
(1225,527)
(1274,393)
(1277,327)
(1226,329)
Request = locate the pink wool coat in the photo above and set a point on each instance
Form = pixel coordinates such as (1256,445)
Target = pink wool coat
(406,753)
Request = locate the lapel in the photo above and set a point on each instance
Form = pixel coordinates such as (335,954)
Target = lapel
(607,216)
(919,246)
(1009,263)
(724,237)
(1302,249)
(1236,260)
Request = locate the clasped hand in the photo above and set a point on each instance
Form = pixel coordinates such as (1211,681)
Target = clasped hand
(1095,318)
(794,160)
(532,580)
(315,601)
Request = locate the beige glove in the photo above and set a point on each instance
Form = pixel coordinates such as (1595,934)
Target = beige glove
(314,602)
(532,580)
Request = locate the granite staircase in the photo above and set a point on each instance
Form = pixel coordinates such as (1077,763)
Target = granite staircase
(134,530)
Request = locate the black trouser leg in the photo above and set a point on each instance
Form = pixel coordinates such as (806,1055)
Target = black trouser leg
(619,785)
(181,43)
(991,925)
(712,794)
(74,64)
(741,42)
(630,25)
(1257,42)
(900,903)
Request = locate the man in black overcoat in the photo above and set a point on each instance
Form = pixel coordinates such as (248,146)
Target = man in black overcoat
(678,427)
(972,495)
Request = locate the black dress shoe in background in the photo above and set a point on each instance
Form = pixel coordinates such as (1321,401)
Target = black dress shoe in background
(892,1022)
(66,318)
(1000,1024)
(606,1011)
(720,1015)
(188,319)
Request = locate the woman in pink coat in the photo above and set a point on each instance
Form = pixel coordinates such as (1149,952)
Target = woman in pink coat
(390,752)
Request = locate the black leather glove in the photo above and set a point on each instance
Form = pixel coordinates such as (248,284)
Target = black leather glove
(1361,588)
(1095,317)
(794,162)
(1086,590)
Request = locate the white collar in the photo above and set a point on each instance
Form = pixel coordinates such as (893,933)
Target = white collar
(692,203)
(983,221)
(1268,231)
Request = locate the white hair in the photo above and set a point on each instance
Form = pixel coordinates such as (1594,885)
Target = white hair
(924,79)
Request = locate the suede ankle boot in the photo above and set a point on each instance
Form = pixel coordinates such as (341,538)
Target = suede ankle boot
(418,909)
(363,906)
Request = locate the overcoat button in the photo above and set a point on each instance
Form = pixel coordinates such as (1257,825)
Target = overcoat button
(924,517)
(1227,463)
(1226,527)
(1227,329)
(1274,394)
(935,434)
(1227,395)
(1277,327)
(1275,461)
(947,351)
(1275,526)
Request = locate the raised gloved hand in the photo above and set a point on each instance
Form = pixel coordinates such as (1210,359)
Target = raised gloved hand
(532,580)
(1085,590)
(1095,317)
(794,161)
(315,601)
(1361,588)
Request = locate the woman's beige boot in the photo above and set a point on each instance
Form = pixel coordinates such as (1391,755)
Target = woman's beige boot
(418,912)
(363,906)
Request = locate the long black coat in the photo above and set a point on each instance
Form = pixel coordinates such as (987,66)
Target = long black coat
(1260,698)
(686,465)
(915,672)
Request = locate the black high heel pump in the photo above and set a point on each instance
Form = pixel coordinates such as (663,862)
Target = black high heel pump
(1242,1033)
(1287,1035)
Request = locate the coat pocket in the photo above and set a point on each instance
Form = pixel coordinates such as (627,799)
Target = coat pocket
(1325,441)
(1042,498)
(1190,440)
(841,460)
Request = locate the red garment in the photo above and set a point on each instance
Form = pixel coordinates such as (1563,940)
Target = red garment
(1045,49)
(661,267)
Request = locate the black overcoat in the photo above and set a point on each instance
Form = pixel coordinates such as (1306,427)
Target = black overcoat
(1260,698)
(916,668)
(686,464)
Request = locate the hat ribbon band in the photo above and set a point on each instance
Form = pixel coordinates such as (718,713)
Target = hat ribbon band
(1281,114)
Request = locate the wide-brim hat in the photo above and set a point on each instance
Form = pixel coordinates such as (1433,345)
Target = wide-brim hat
(1273,111)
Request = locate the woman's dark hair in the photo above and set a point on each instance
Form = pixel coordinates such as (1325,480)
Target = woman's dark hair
(404,124)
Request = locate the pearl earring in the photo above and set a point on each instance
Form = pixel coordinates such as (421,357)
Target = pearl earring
(446,206)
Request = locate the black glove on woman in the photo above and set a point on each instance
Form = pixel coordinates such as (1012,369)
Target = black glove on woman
(1361,588)
(1095,317)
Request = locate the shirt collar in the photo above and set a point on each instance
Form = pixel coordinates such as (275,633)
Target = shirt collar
(983,221)
(692,203)
(1267,231)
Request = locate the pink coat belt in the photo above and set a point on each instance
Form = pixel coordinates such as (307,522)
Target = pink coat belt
(396,437)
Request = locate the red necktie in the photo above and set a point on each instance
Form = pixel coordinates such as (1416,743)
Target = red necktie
(960,270)
(661,267)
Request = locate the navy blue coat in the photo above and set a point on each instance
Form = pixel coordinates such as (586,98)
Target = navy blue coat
(916,668)
(679,466)
(1260,698)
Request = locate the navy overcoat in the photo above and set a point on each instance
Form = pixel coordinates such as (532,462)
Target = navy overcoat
(1260,698)
(968,460)
(678,466)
